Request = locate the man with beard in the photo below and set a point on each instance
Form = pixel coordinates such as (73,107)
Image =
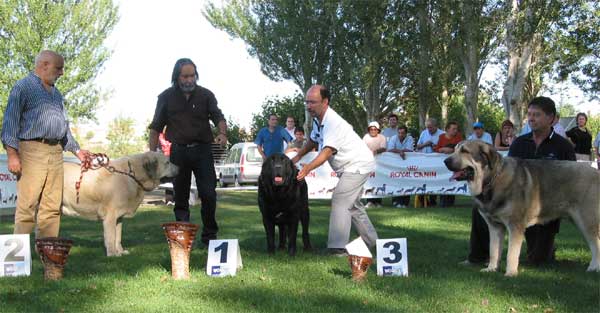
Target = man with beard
(350,158)
(186,108)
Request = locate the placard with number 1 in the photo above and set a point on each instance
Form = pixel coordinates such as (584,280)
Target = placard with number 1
(224,258)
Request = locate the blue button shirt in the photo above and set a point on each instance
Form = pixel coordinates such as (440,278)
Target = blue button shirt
(272,142)
(33,112)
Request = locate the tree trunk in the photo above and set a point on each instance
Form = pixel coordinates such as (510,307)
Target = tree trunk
(445,104)
(423,64)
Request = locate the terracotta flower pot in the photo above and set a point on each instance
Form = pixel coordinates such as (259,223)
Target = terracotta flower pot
(53,252)
(360,266)
(180,236)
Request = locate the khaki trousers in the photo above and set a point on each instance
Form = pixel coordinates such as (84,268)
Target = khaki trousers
(39,189)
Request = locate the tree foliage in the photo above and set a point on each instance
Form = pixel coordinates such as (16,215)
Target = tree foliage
(122,139)
(76,29)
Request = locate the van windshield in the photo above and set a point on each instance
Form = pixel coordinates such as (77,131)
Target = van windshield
(252,155)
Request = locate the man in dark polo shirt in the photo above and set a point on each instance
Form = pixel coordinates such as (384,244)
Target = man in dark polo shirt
(541,143)
(186,108)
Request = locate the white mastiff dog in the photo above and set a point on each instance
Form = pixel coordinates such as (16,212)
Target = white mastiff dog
(109,196)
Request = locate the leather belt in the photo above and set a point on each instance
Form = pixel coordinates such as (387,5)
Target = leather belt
(50,142)
(189,145)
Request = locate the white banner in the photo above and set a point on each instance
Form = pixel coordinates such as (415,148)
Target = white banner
(8,185)
(419,173)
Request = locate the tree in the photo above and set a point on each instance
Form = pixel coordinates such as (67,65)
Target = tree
(122,139)
(76,29)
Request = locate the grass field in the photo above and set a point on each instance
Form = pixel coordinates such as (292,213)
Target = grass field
(310,282)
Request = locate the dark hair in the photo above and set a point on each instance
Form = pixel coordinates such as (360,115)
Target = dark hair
(403,127)
(581,114)
(325,94)
(392,115)
(177,69)
(299,129)
(507,123)
(545,104)
(273,114)
(450,124)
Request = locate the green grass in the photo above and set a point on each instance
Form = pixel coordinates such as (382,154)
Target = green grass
(310,282)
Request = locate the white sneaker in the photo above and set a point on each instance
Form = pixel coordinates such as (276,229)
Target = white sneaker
(400,206)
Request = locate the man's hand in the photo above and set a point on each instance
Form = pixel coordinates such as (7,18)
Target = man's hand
(82,154)
(14,163)
(302,173)
(221,139)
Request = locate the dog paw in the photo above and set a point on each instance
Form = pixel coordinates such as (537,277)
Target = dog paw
(489,269)
(511,273)
(594,268)
(125,252)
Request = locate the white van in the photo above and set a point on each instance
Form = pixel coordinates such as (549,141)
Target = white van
(242,165)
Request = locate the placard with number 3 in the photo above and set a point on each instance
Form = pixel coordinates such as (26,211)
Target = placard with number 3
(392,257)
(224,258)
(15,255)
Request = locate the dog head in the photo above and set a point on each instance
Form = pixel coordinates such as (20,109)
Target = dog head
(152,168)
(473,161)
(278,170)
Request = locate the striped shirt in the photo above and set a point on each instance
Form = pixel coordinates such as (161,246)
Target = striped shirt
(33,112)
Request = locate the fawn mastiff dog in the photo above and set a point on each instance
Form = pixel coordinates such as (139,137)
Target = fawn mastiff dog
(514,194)
(283,201)
(109,196)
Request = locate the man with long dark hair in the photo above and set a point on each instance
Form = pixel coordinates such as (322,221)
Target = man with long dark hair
(186,109)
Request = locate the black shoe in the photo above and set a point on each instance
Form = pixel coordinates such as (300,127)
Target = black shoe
(339,252)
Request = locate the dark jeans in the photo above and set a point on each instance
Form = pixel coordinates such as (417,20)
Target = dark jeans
(198,160)
(403,200)
(540,240)
(446,201)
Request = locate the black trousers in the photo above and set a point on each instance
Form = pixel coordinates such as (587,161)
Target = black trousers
(540,240)
(403,200)
(199,161)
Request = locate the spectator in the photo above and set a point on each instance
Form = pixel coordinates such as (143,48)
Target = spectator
(427,142)
(429,137)
(290,127)
(299,142)
(270,139)
(505,136)
(558,128)
(446,144)
(597,146)
(480,134)
(401,143)
(377,144)
(392,128)
(581,138)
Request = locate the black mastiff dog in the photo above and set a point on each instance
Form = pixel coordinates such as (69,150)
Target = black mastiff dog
(283,201)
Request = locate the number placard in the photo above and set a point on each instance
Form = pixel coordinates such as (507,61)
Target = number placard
(15,255)
(224,258)
(392,257)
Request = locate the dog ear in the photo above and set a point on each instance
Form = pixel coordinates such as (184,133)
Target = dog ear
(151,168)
(489,154)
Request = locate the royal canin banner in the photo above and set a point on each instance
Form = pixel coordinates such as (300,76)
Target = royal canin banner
(419,173)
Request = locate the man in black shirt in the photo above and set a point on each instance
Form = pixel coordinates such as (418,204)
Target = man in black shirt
(541,143)
(186,108)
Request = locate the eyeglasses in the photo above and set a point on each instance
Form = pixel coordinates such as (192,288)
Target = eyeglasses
(311,102)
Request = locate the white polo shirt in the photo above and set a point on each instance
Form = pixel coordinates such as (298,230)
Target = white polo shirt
(353,155)
(427,136)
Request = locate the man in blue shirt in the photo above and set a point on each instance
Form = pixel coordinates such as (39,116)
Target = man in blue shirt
(35,132)
(270,139)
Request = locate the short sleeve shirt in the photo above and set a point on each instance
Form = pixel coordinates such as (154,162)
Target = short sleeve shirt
(351,153)
(396,143)
(486,137)
(555,147)
(375,143)
(427,136)
(272,142)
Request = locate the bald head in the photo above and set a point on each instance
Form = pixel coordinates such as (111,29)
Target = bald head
(49,66)
(317,100)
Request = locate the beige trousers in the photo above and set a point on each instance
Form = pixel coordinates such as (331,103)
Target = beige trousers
(39,189)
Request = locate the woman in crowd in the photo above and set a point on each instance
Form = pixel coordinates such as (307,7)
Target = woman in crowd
(581,138)
(378,144)
(505,136)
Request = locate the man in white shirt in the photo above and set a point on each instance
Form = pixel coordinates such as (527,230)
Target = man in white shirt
(290,128)
(480,134)
(350,158)
(429,137)
(401,143)
(392,129)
